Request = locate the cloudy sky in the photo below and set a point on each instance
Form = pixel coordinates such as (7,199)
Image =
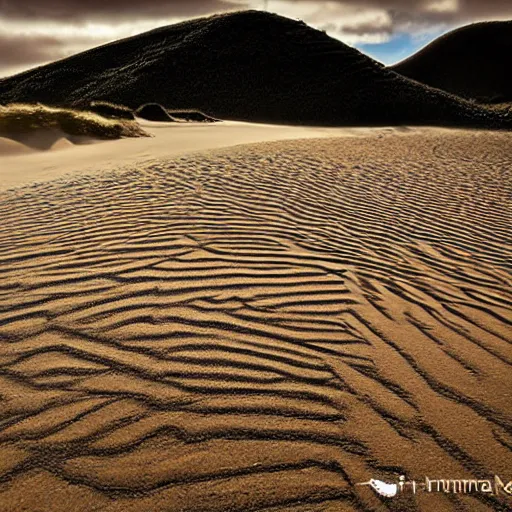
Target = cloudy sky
(34,32)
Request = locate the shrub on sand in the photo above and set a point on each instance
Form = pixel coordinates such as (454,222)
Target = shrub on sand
(504,108)
(19,119)
(110,110)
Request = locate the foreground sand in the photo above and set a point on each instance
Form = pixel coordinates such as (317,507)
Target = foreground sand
(259,328)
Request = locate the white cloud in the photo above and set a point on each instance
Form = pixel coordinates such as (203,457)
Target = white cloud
(443,6)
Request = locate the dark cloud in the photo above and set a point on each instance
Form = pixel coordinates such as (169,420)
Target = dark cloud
(113,11)
(424,12)
(78,10)
(463,9)
(411,15)
(395,16)
(366,28)
(23,49)
(485,9)
(107,10)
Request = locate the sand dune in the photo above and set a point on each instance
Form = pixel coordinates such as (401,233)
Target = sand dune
(469,61)
(38,140)
(169,140)
(40,126)
(247,66)
(259,327)
(12,147)
(34,144)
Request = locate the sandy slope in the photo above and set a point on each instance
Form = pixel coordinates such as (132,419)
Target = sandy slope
(170,140)
(258,327)
(12,147)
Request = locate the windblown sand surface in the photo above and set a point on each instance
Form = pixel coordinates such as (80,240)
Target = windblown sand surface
(259,327)
(22,144)
(13,147)
(170,140)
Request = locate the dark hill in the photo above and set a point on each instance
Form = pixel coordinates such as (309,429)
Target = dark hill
(249,65)
(154,112)
(192,116)
(473,61)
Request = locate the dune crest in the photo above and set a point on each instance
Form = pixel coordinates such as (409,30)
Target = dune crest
(154,112)
(11,147)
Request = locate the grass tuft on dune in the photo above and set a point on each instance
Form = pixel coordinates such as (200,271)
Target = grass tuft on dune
(19,119)
(110,110)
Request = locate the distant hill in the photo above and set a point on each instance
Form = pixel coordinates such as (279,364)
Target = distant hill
(249,65)
(154,112)
(474,61)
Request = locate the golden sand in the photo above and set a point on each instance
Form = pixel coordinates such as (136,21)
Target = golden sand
(259,327)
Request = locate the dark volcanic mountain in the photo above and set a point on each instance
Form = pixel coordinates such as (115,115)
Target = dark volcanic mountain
(472,61)
(249,65)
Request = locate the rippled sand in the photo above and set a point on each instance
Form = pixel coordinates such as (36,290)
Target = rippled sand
(259,328)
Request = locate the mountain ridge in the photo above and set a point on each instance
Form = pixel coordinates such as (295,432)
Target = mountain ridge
(249,66)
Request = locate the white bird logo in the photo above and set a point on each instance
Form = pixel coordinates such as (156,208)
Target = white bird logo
(382,488)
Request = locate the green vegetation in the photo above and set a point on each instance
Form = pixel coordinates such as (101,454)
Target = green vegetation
(26,118)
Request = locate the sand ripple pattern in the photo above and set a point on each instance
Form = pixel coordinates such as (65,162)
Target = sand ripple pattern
(259,328)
